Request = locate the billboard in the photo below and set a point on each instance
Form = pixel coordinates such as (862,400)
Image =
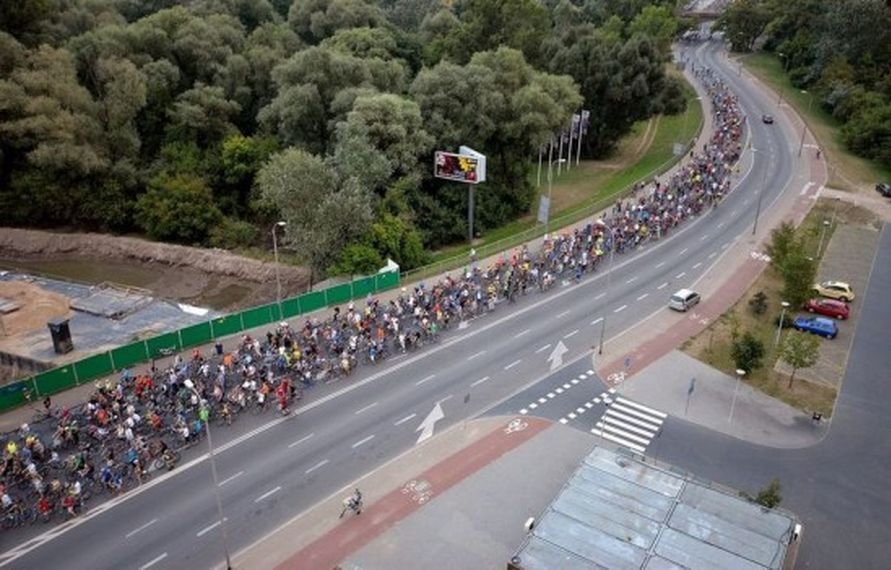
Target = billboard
(465,167)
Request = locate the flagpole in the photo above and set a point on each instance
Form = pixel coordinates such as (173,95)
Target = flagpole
(578,154)
(560,155)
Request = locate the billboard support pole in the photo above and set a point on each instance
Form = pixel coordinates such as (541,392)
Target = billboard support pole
(470,211)
(539,166)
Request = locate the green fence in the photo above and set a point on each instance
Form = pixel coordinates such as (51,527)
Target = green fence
(99,365)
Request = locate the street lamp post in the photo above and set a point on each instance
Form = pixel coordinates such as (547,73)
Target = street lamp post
(760,193)
(609,278)
(739,374)
(278,280)
(785,305)
(810,101)
(213,469)
(822,237)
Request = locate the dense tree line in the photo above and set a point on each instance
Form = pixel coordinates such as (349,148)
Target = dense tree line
(839,50)
(201,122)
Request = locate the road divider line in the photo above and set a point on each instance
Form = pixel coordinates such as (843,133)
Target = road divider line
(660,264)
(477,355)
(301,440)
(365,409)
(561,315)
(595,321)
(600,296)
(630,281)
(703,238)
(207,529)
(681,274)
(570,334)
(431,377)
(697,265)
(514,363)
(683,251)
(480,381)
(542,349)
(143,527)
(620,309)
(663,286)
(318,465)
(363,441)
(267,494)
(153,562)
(521,333)
(712,254)
(405,419)
(644,296)
(233,477)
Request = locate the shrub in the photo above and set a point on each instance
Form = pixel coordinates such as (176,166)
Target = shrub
(770,496)
(179,209)
(758,303)
(747,352)
(231,233)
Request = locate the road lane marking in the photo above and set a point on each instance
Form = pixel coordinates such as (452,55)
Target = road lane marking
(153,562)
(514,363)
(480,381)
(365,409)
(681,274)
(644,296)
(318,465)
(574,381)
(696,266)
(630,281)
(559,390)
(660,264)
(477,355)
(405,419)
(620,309)
(521,333)
(267,494)
(683,251)
(663,286)
(533,405)
(721,225)
(561,315)
(703,238)
(551,394)
(143,527)
(524,411)
(233,477)
(431,377)
(363,441)
(449,397)
(542,349)
(726,245)
(301,440)
(595,321)
(207,529)
(573,333)
(733,213)
(712,254)
(600,296)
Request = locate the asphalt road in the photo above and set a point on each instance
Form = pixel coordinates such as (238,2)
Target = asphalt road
(282,467)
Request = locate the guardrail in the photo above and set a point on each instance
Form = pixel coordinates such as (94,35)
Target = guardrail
(166,344)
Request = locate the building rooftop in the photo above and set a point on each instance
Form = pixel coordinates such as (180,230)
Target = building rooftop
(620,513)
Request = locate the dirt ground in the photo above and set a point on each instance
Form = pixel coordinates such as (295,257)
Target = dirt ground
(37,307)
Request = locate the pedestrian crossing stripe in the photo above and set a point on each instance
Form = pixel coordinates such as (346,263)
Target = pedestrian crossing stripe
(629,424)
(618,440)
(622,433)
(641,407)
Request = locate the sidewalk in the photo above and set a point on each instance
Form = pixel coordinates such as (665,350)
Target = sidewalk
(474,485)
(12,419)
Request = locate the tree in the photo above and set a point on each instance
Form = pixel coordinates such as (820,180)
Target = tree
(202,115)
(179,209)
(770,496)
(364,43)
(355,156)
(743,21)
(398,240)
(798,271)
(782,241)
(657,22)
(315,20)
(490,24)
(799,350)
(747,352)
(357,259)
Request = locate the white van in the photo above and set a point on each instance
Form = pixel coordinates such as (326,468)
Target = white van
(683,300)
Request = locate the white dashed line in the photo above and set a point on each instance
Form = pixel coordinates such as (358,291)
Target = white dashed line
(581,377)
(571,415)
(660,264)
(573,333)
(681,274)
(542,400)
(574,381)
(580,410)
(567,386)
(644,296)
(597,320)
(697,265)
(228,479)
(301,440)
(589,405)
(431,377)
(153,562)
(726,245)
(405,419)
(477,355)
(620,309)
(564,421)
(267,494)
(512,364)
(318,465)
(663,286)
(703,238)
(712,254)
(447,398)
(561,315)
(542,349)
(143,527)
(521,333)
(363,441)
(524,411)
(366,408)
(733,213)
(207,529)
(600,296)
(480,381)
(551,395)
(559,390)
(721,225)
(630,281)
(533,405)
(683,251)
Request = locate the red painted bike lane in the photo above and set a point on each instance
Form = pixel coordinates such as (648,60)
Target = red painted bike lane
(358,530)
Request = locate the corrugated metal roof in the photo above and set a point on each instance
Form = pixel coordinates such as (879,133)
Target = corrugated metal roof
(620,513)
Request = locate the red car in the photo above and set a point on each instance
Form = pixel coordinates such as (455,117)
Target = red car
(828,307)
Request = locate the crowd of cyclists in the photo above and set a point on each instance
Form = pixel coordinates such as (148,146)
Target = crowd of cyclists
(135,426)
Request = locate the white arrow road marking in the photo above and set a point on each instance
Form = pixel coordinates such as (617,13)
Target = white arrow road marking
(426,427)
(556,357)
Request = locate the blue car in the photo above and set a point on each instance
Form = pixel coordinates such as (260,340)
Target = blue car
(816,325)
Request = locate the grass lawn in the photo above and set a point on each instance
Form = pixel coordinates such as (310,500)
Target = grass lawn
(712,346)
(593,184)
(846,170)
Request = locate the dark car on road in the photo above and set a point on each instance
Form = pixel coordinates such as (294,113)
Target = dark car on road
(767,119)
(884,189)
(816,325)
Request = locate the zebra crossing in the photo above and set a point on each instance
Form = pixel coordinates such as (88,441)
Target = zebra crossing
(629,424)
